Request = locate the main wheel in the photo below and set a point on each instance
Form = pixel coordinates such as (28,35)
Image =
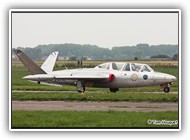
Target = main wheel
(114,89)
(82,91)
(167,89)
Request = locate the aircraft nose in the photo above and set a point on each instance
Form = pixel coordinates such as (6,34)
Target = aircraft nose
(171,77)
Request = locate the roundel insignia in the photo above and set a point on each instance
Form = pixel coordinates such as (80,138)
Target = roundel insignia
(145,77)
(134,77)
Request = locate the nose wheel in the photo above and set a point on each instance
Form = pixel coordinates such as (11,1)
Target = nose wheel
(167,89)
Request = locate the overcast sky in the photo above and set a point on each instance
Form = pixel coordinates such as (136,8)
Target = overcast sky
(103,29)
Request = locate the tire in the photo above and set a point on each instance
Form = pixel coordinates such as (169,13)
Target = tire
(82,91)
(114,89)
(167,89)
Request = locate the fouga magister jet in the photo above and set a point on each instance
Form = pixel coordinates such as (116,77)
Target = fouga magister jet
(112,75)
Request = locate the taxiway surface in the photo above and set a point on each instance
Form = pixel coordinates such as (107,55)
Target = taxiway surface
(93,106)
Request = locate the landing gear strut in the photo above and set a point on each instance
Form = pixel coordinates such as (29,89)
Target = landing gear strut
(80,87)
(114,89)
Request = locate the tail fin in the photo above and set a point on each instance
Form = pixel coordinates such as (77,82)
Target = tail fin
(48,65)
(32,67)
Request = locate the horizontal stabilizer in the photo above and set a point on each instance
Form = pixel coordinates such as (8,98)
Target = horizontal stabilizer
(49,63)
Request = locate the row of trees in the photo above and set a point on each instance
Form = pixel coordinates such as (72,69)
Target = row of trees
(140,51)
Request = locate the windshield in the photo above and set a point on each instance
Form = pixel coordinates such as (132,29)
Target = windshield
(145,69)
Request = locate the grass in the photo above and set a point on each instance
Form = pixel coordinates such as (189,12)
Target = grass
(97,62)
(114,97)
(93,119)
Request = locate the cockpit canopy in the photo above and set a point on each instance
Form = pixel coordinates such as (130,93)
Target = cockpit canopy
(122,66)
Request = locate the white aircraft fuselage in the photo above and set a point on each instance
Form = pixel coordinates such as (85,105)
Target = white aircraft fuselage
(122,79)
(112,75)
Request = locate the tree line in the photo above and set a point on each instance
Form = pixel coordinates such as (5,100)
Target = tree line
(140,51)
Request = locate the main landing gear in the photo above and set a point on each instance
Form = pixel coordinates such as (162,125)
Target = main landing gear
(81,90)
(114,89)
(80,87)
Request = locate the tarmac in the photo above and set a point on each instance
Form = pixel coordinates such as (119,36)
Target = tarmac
(93,106)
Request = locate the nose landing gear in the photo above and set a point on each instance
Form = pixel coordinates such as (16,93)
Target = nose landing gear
(166,87)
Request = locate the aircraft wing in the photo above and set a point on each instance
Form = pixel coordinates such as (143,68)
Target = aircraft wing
(83,77)
(45,77)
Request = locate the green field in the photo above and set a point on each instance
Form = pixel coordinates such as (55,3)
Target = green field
(90,64)
(114,97)
(84,119)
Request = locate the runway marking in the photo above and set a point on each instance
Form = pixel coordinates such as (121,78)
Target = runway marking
(93,106)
